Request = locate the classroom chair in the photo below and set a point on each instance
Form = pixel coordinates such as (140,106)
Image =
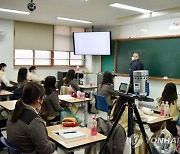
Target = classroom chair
(11,149)
(64,91)
(101,103)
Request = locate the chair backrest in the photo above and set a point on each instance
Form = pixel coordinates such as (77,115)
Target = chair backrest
(64,90)
(11,148)
(101,103)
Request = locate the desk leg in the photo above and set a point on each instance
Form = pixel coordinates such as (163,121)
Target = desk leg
(8,98)
(85,114)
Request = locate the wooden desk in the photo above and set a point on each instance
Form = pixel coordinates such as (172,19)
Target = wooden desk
(159,119)
(73,145)
(5,93)
(9,105)
(77,100)
(87,87)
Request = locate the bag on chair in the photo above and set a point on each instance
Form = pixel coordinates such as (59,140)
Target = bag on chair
(67,113)
(163,142)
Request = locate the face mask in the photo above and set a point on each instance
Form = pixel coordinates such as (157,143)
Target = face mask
(4,69)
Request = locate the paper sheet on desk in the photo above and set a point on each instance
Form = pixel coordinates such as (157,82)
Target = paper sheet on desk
(65,97)
(150,118)
(70,134)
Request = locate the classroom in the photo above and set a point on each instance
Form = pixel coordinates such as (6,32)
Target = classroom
(46,37)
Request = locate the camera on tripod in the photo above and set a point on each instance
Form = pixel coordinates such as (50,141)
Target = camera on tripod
(141,83)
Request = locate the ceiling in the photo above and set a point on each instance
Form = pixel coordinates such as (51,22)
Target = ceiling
(96,11)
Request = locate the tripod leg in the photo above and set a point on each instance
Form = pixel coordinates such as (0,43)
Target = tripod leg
(113,127)
(141,127)
(130,125)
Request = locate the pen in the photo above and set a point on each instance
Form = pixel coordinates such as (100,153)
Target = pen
(69,132)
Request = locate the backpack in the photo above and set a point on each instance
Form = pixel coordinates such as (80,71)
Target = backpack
(118,137)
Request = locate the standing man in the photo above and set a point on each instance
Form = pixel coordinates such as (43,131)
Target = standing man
(135,65)
(3,80)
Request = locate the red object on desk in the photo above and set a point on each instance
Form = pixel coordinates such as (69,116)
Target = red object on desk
(74,94)
(69,122)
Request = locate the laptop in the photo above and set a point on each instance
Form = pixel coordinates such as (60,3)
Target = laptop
(123,88)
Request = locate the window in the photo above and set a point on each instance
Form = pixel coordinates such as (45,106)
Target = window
(47,58)
(48,38)
(67,58)
(42,57)
(23,57)
(76,59)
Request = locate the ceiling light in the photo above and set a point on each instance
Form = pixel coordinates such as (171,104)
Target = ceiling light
(75,20)
(14,11)
(122,6)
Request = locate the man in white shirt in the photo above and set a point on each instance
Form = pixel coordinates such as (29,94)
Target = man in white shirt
(32,75)
(3,79)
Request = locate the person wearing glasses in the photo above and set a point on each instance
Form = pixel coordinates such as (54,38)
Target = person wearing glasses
(26,130)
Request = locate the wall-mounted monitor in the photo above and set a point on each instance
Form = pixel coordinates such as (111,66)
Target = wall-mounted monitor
(92,43)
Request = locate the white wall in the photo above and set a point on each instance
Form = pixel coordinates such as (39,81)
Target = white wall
(156,28)
(6,56)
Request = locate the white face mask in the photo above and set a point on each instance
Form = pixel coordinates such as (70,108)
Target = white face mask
(132,58)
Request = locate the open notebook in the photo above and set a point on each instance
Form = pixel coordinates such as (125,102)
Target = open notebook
(70,134)
(65,97)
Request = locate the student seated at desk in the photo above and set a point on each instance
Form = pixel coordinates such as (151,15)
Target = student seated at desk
(70,80)
(169,95)
(51,99)
(106,87)
(5,84)
(32,75)
(22,81)
(26,130)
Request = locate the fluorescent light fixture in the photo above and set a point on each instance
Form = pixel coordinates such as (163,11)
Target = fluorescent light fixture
(127,7)
(75,20)
(14,11)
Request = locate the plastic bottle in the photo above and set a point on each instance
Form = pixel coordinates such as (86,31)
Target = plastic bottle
(57,90)
(162,112)
(90,84)
(166,108)
(77,68)
(94,126)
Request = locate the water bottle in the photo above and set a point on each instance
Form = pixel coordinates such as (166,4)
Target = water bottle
(166,106)
(162,112)
(57,90)
(90,84)
(94,126)
(77,68)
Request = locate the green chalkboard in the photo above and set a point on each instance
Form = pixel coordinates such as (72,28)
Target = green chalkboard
(160,56)
(107,62)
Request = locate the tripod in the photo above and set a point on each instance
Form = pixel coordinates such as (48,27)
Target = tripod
(131,108)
